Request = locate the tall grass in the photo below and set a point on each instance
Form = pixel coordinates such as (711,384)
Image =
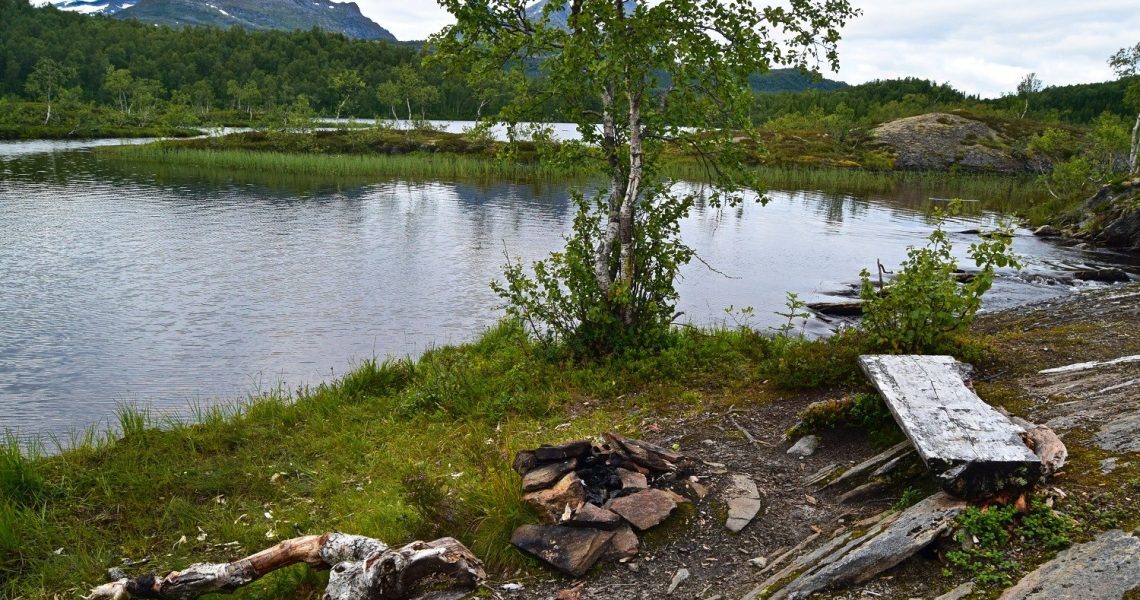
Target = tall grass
(417,165)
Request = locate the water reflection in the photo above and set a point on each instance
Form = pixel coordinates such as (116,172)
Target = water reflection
(168,287)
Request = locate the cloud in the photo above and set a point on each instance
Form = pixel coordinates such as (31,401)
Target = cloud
(981,46)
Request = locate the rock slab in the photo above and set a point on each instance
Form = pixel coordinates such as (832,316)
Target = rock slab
(1103,569)
(645,509)
(743,502)
(805,447)
(570,550)
(551,503)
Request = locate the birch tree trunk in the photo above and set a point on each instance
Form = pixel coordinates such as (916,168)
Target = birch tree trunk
(362,569)
(1134,154)
(617,184)
(629,202)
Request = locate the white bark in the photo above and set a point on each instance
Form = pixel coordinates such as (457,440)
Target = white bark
(1134,154)
(613,200)
(362,569)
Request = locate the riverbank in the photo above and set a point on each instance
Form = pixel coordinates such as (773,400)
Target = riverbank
(37,132)
(420,449)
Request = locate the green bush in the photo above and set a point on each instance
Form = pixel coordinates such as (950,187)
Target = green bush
(925,306)
(864,411)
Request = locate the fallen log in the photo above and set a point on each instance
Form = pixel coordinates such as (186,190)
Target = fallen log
(975,450)
(361,569)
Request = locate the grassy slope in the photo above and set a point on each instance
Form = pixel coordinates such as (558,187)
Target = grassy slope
(398,450)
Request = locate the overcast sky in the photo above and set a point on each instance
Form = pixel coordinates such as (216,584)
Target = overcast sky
(981,46)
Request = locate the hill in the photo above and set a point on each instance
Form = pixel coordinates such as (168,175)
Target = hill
(287,15)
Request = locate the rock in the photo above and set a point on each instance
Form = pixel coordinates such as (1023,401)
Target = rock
(511,587)
(624,545)
(574,593)
(576,449)
(545,476)
(759,562)
(743,502)
(1109,275)
(822,476)
(551,503)
(805,447)
(590,515)
(524,462)
(1103,569)
(852,308)
(940,141)
(644,509)
(645,454)
(1047,231)
(848,559)
(1107,466)
(631,480)
(570,550)
(873,464)
(959,592)
(678,578)
(699,489)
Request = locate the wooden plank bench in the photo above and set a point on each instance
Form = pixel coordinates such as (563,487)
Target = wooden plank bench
(975,450)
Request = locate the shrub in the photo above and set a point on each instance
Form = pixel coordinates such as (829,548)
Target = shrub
(925,306)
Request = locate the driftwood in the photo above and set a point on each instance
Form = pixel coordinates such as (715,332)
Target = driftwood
(976,450)
(362,569)
(1044,442)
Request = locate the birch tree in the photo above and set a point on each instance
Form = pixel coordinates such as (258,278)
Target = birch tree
(637,77)
(47,80)
(1126,63)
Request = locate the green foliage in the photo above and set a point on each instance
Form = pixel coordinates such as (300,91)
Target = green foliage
(795,310)
(863,411)
(985,535)
(827,362)
(925,306)
(21,483)
(1049,529)
(909,497)
(647,71)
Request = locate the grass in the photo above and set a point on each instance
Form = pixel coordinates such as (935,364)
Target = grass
(398,450)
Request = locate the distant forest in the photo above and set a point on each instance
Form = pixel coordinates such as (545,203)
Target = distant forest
(126,64)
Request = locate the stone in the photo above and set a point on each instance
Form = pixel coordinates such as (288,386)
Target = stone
(846,559)
(651,456)
(699,489)
(759,562)
(576,449)
(1110,275)
(645,509)
(524,462)
(624,545)
(1103,569)
(591,515)
(551,503)
(743,502)
(958,593)
(1107,466)
(1046,231)
(632,480)
(574,593)
(805,447)
(678,578)
(547,475)
(570,550)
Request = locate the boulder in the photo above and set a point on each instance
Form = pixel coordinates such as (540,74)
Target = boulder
(645,509)
(1046,231)
(568,549)
(1109,275)
(551,503)
(1106,568)
(941,141)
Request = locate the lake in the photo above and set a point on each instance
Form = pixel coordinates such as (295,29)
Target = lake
(166,290)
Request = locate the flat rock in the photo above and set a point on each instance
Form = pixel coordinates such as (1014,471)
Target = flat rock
(805,447)
(632,480)
(851,559)
(1110,275)
(568,549)
(625,544)
(744,502)
(547,475)
(593,516)
(551,503)
(645,509)
(576,449)
(958,593)
(651,456)
(1103,569)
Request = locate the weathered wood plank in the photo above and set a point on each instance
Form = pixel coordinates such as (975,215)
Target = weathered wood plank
(975,448)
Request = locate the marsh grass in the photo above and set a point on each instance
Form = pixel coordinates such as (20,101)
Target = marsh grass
(397,449)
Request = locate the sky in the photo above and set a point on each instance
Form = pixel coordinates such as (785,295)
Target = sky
(982,47)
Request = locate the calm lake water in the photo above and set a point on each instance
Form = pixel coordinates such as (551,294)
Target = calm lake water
(123,285)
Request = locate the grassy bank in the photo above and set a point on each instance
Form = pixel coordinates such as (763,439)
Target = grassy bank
(396,450)
(37,132)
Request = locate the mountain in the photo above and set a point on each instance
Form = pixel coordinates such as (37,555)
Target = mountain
(337,17)
(792,80)
(94,7)
(560,17)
